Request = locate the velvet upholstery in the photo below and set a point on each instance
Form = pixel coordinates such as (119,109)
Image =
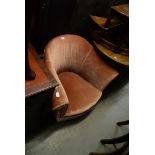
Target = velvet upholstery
(81,74)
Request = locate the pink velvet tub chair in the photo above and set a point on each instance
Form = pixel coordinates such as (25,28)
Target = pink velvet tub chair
(80,73)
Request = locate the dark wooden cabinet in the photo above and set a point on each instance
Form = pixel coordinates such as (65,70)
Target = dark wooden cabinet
(38,94)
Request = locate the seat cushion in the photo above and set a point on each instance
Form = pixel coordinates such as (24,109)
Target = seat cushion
(81,94)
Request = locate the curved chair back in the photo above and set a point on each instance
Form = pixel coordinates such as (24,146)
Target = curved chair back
(73,53)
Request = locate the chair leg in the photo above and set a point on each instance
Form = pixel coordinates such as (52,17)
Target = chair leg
(120,139)
(116,140)
(95,153)
(123,123)
(120,150)
(117,152)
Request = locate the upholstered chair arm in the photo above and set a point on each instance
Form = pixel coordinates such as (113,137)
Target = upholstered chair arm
(59,100)
(97,72)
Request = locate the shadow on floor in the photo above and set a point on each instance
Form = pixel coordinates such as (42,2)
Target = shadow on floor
(116,85)
(52,126)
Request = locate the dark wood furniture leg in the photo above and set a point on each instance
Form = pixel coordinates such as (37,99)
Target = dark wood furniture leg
(117,152)
(30,11)
(29,74)
(123,123)
(120,139)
